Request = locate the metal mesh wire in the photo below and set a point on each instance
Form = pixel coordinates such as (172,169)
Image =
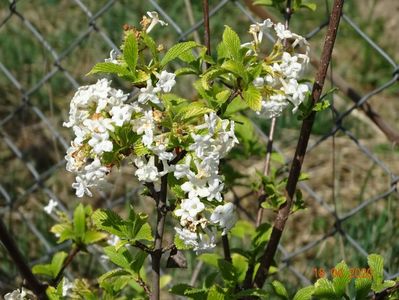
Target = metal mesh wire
(33,140)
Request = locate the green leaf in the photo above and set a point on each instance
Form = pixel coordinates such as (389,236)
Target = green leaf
(253,97)
(165,280)
(120,257)
(150,43)
(138,261)
(194,109)
(320,106)
(43,270)
(57,262)
(131,52)
(264,2)
(210,259)
(79,221)
(362,287)
(262,235)
(176,51)
(138,228)
(235,67)
(110,222)
(279,289)
(93,236)
(107,67)
(376,264)
(232,43)
(228,271)
(304,293)
(186,71)
(243,228)
(262,294)
(63,231)
(324,289)
(112,274)
(240,264)
(309,5)
(216,293)
(140,149)
(342,279)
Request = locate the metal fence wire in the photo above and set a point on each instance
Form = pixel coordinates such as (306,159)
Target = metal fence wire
(46,64)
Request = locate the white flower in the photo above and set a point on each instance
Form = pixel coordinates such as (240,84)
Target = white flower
(121,114)
(296,91)
(195,188)
(206,241)
(274,107)
(100,143)
(149,94)
(146,172)
(113,57)
(289,66)
(201,144)
(81,186)
(188,238)
(215,186)
(183,170)
(50,206)
(113,240)
(91,176)
(154,20)
(145,125)
(17,294)
(281,32)
(225,216)
(259,82)
(67,287)
(258,29)
(189,209)
(166,81)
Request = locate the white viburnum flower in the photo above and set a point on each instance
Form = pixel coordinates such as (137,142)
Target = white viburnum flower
(100,143)
(189,209)
(52,204)
(188,238)
(282,32)
(166,81)
(224,216)
(146,172)
(145,126)
(206,241)
(67,286)
(149,93)
(154,20)
(121,114)
(19,294)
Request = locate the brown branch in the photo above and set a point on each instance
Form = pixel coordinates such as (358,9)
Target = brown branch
(31,281)
(284,210)
(145,287)
(207,33)
(156,255)
(226,248)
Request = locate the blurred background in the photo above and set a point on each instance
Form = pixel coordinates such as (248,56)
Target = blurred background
(47,47)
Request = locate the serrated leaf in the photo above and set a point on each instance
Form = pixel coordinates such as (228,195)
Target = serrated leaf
(194,109)
(140,149)
(362,287)
(325,289)
(304,293)
(232,43)
(253,97)
(63,232)
(110,222)
(138,261)
(216,293)
(186,71)
(150,43)
(279,289)
(376,264)
(342,279)
(177,50)
(243,228)
(180,289)
(111,274)
(262,235)
(121,258)
(110,68)
(43,270)
(130,52)
(209,75)
(235,67)
(79,221)
(227,270)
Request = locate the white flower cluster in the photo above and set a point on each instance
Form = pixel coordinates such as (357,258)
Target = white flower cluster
(204,185)
(284,72)
(19,294)
(96,113)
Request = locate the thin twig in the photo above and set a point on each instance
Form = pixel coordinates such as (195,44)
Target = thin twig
(226,248)
(31,281)
(284,211)
(156,255)
(385,293)
(207,33)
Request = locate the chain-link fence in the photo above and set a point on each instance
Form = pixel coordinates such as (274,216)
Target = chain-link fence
(47,47)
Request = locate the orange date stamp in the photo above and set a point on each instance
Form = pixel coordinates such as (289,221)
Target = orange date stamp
(338,273)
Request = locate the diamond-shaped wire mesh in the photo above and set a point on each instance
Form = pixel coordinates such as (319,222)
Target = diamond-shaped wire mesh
(46,47)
